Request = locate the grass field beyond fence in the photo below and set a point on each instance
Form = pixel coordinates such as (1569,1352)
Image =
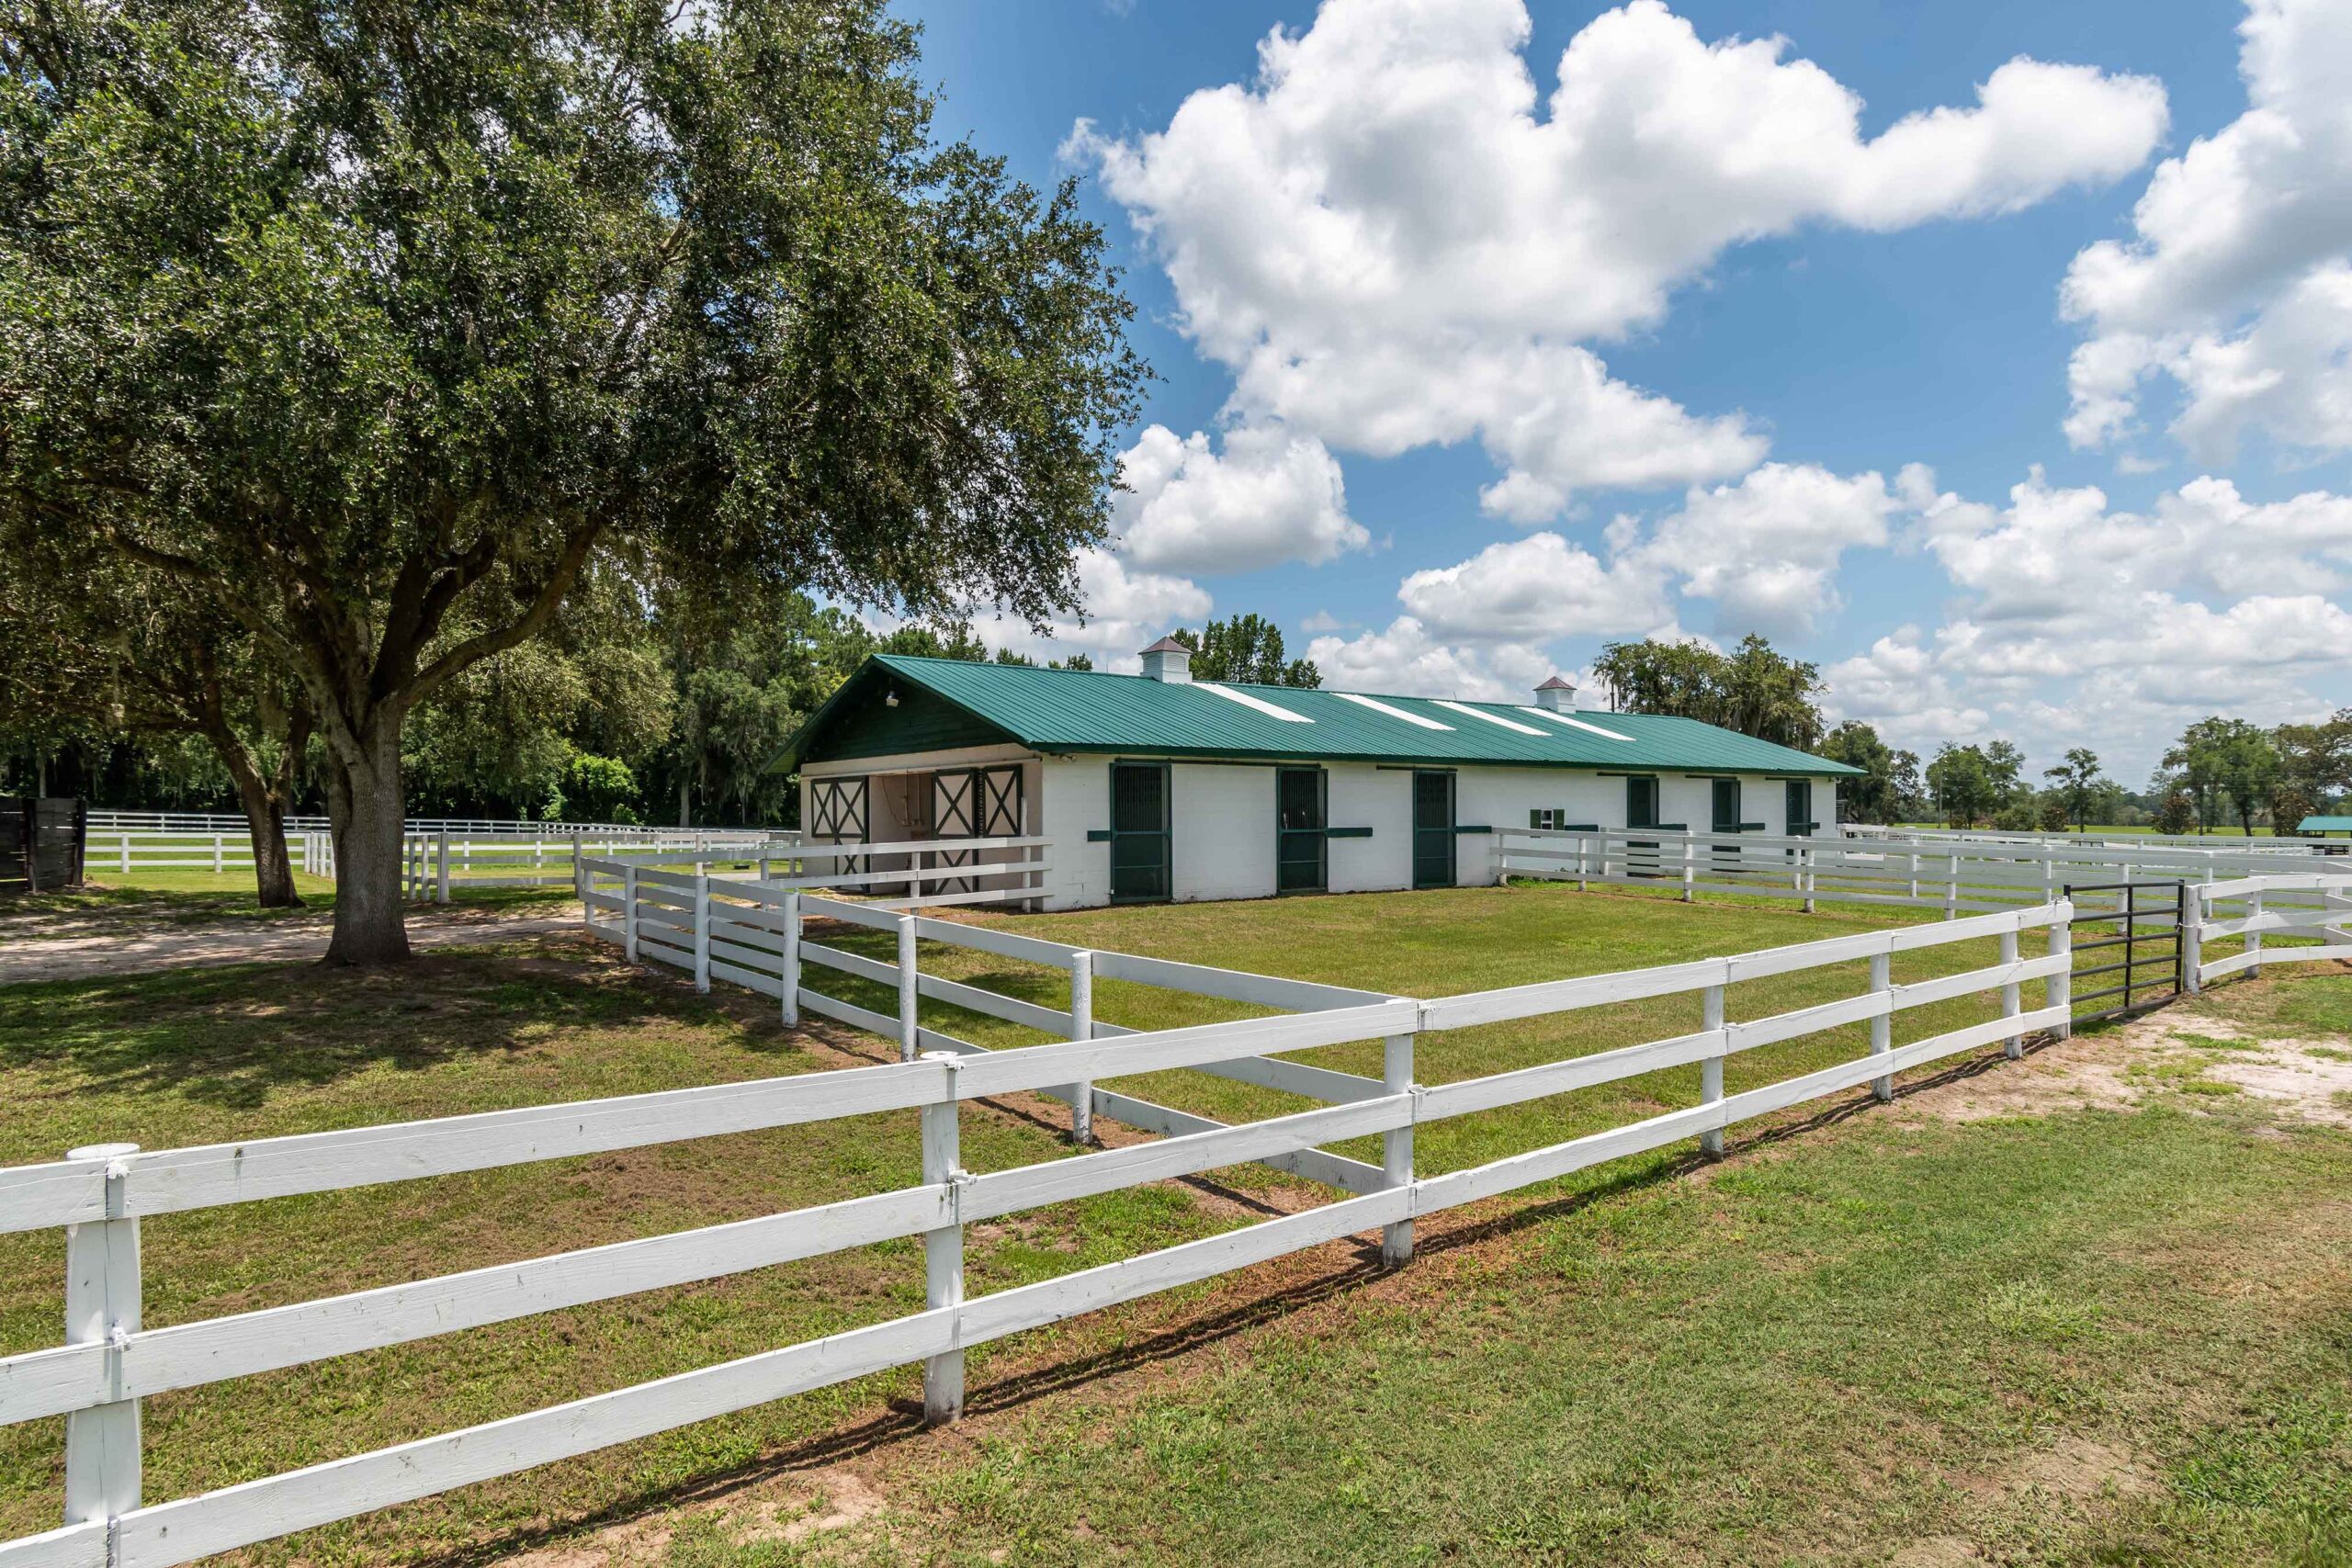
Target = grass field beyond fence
(1834,1347)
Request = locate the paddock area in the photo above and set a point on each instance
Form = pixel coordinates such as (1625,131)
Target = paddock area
(1780,1313)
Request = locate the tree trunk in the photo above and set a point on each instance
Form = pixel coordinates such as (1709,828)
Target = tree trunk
(273,867)
(686,812)
(364,807)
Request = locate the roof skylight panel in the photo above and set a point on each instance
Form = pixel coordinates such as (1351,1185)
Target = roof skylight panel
(1247,701)
(1376,705)
(1490,717)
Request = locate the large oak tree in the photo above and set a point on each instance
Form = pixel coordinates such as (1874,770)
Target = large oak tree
(370,326)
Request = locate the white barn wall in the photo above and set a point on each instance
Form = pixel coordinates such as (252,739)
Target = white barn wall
(1221,819)
(1361,796)
(1074,800)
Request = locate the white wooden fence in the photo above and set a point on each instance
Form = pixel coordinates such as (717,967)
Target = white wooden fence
(1950,875)
(2287,843)
(100,1194)
(125,850)
(183,822)
(2313,912)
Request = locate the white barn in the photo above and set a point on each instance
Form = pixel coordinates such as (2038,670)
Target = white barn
(1157,787)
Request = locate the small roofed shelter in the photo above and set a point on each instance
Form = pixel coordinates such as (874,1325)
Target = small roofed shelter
(1156,787)
(2318,827)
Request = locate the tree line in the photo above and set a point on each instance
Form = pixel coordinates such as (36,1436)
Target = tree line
(354,368)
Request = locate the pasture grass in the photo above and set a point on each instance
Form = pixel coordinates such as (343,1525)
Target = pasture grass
(1825,1310)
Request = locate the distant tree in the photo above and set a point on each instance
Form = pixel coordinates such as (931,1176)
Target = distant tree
(1753,689)
(1962,783)
(96,649)
(1876,796)
(2050,812)
(1248,649)
(2316,759)
(2226,763)
(2077,785)
(2176,813)
(2288,807)
(369,330)
(1075,661)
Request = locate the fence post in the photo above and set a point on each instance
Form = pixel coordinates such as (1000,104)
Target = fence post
(909,990)
(1687,868)
(1711,1072)
(1805,858)
(102,1460)
(629,912)
(2013,1047)
(2192,938)
(1952,887)
(790,974)
(2060,990)
(217,839)
(579,872)
(943,1250)
(1082,1027)
(441,876)
(126,851)
(702,929)
(1882,1026)
(2254,938)
(1584,864)
(1396,1147)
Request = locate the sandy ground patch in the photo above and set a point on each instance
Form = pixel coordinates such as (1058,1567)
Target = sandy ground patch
(2120,1069)
(294,940)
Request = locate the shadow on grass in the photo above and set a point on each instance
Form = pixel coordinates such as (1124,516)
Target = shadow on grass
(228,1036)
(902,1418)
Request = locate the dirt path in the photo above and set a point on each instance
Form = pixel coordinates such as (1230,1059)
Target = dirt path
(291,941)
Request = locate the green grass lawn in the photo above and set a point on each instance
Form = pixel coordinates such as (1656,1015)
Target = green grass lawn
(1841,1342)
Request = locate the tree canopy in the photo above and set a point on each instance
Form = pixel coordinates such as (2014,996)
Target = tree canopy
(1753,689)
(1248,649)
(375,336)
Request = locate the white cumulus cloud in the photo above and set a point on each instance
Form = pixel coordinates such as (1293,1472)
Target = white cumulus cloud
(2237,283)
(1271,496)
(1393,242)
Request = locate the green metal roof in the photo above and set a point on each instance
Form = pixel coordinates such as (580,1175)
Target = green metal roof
(1091,711)
(2324,825)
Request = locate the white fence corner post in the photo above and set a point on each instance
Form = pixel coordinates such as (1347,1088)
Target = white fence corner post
(909,990)
(2254,938)
(629,912)
(2059,992)
(943,1250)
(1711,1071)
(1882,1026)
(1082,1027)
(2012,1002)
(790,972)
(441,874)
(102,1292)
(1396,1147)
(702,930)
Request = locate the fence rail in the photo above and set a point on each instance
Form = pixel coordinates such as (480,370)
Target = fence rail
(101,1193)
(1953,875)
(2313,912)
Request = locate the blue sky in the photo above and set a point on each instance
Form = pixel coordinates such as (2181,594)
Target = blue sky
(1716,332)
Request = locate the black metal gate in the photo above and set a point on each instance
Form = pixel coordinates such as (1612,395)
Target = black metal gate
(2146,918)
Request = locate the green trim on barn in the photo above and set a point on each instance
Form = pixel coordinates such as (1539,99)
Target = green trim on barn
(1084,712)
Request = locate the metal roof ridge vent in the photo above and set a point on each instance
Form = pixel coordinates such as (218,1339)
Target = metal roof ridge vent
(1246,700)
(1376,705)
(1491,717)
(1169,661)
(1557,695)
(1574,723)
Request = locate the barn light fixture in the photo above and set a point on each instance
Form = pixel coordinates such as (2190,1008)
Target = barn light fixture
(890,699)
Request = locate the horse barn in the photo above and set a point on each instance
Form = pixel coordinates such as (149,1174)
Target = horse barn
(1157,787)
